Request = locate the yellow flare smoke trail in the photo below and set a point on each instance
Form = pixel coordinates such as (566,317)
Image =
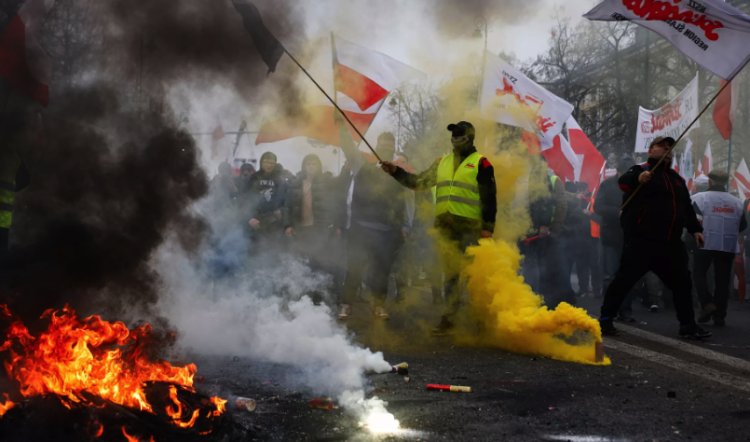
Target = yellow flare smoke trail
(516,318)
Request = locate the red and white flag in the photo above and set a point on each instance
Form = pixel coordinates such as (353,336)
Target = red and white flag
(363,78)
(562,159)
(23,63)
(592,160)
(712,33)
(367,76)
(510,97)
(725,108)
(742,179)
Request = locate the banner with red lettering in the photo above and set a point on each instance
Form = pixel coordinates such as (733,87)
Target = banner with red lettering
(712,33)
(510,97)
(669,120)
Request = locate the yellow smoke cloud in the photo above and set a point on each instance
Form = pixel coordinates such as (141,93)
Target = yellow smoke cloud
(515,318)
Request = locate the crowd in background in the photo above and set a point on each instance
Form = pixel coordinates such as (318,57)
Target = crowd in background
(375,243)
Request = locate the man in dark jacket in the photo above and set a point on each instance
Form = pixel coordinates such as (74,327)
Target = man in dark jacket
(373,218)
(656,207)
(465,206)
(312,207)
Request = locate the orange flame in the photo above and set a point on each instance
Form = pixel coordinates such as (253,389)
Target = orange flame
(128,437)
(99,430)
(7,404)
(77,358)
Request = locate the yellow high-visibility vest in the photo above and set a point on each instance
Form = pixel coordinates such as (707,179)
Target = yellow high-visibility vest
(457,191)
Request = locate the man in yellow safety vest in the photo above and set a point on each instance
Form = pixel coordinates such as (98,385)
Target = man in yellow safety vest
(465,203)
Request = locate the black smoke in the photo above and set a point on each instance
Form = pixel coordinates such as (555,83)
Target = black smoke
(113,170)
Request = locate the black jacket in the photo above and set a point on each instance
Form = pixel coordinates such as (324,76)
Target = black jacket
(660,209)
(267,196)
(325,201)
(376,199)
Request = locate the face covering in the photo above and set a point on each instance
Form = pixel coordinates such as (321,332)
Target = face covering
(461,142)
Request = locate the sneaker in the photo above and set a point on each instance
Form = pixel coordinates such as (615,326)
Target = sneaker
(706,313)
(694,332)
(345,311)
(380,313)
(443,328)
(607,327)
(654,308)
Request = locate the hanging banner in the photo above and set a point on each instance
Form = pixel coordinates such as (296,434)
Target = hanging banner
(669,120)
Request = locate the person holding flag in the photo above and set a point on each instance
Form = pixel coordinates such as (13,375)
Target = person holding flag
(652,222)
(465,206)
(373,219)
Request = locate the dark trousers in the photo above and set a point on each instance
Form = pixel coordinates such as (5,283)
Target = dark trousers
(454,243)
(722,262)
(546,271)
(669,261)
(370,255)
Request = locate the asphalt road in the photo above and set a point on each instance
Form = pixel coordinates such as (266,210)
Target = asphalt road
(658,388)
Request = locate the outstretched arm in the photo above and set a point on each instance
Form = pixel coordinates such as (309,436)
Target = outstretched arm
(415,181)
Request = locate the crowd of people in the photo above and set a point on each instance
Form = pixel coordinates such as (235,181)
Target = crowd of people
(642,236)
(359,228)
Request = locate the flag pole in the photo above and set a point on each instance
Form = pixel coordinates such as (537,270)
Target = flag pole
(729,156)
(333,102)
(669,150)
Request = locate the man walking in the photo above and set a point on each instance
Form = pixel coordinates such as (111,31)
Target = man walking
(656,208)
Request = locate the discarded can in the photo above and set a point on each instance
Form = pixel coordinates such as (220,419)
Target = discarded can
(598,352)
(401,369)
(245,403)
(322,403)
(454,388)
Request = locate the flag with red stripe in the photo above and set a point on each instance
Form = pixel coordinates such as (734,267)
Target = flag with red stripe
(22,60)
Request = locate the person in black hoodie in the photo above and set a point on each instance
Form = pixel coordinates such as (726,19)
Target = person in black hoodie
(267,193)
(656,207)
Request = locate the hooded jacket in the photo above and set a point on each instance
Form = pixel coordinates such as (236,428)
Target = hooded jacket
(660,209)
(267,195)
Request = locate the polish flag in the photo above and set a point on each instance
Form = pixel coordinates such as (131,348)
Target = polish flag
(23,63)
(562,159)
(592,161)
(364,79)
(742,179)
(725,109)
(707,162)
(367,76)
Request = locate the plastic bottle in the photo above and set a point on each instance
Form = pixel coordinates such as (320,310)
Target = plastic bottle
(245,403)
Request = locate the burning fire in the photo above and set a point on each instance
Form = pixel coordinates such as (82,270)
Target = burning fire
(82,359)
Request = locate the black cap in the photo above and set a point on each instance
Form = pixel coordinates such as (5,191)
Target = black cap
(462,128)
(662,140)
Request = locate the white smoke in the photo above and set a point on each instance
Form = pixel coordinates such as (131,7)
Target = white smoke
(266,315)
